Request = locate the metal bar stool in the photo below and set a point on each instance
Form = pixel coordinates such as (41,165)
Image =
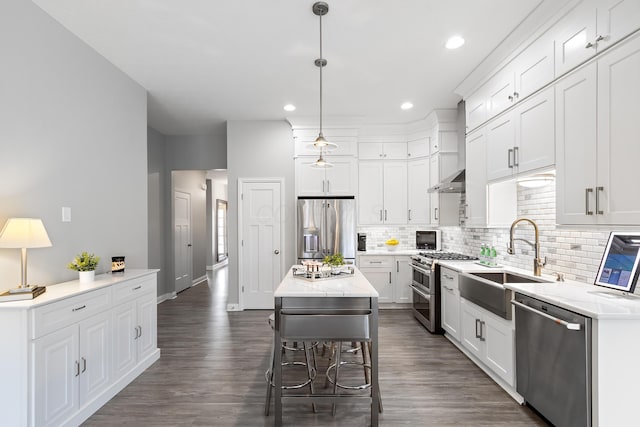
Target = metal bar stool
(308,363)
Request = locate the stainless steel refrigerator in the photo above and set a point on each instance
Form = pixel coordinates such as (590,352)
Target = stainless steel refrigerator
(326,226)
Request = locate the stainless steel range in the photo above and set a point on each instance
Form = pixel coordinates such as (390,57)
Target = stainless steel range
(426,286)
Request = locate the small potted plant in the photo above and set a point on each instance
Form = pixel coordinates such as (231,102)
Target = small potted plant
(85,264)
(334,261)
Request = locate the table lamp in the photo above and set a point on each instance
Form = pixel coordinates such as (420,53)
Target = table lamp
(24,233)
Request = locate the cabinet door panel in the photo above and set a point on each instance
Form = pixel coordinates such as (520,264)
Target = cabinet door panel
(370,188)
(618,132)
(470,328)
(95,356)
(147,321)
(309,181)
(124,342)
(395,192)
(535,127)
(395,151)
(500,139)
(501,92)
(476,108)
(370,151)
(616,19)
(572,34)
(380,278)
(56,373)
(341,178)
(576,146)
(534,67)
(417,196)
(418,148)
(404,276)
(499,347)
(476,179)
(451,312)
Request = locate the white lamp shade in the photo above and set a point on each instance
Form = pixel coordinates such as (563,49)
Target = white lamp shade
(24,233)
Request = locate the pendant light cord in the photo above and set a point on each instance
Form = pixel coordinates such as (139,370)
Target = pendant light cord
(321,67)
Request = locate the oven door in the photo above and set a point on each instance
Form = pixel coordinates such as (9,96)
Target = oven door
(423,278)
(422,307)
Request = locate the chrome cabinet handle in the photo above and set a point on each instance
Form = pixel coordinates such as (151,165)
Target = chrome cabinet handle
(600,38)
(380,214)
(477,327)
(586,201)
(447,288)
(482,338)
(516,157)
(568,325)
(509,152)
(328,186)
(385,214)
(435,213)
(510,98)
(79,308)
(389,277)
(409,214)
(137,335)
(589,45)
(397,266)
(84,364)
(323,185)
(77,368)
(516,95)
(375,262)
(140,328)
(137,287)
(598,190)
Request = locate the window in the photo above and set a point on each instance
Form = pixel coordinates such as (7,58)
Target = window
(221,230)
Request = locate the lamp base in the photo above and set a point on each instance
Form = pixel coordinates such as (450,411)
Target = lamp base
(23,289)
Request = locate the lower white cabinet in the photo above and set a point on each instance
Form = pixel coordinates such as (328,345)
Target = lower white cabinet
(61,354)
(390,275)
(490,339)
(450,302)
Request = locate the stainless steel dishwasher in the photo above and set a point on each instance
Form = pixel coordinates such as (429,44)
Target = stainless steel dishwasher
(553,361)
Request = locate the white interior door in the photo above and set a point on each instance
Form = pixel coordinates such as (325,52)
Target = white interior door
(260,242)
(182,240)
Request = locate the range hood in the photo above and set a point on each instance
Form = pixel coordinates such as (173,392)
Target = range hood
(451,184)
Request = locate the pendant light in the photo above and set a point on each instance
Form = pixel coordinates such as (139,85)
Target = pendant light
(321,8)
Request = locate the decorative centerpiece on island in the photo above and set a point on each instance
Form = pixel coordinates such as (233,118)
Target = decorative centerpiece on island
(85,264)
(392,244)
(335,262)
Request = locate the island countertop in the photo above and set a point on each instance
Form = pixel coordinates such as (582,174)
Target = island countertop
(345,286)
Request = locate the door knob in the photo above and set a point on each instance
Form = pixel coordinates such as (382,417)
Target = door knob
(189,245)
(276,252)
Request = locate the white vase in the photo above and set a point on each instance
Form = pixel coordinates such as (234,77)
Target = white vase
(87,276)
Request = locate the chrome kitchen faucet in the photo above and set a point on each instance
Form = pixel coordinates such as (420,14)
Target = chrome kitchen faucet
(538,263)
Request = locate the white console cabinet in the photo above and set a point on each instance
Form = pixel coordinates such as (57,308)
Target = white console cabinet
(63,353)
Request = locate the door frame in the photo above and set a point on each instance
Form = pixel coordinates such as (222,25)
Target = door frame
(241,182)
(173,239)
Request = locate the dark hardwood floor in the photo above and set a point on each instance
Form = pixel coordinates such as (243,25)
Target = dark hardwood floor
(211,373)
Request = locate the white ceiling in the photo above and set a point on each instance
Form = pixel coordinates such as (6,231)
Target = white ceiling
(204,62)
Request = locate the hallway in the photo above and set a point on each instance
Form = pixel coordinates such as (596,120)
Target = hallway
(211,373)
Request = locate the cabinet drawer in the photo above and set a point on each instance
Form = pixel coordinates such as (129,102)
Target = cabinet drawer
(376,261)
(58,315)
(449,279)
(131,289)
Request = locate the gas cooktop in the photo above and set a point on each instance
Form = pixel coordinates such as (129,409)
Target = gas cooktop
(450,256)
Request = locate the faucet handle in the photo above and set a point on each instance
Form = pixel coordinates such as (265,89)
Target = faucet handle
(510,250)
(559,277)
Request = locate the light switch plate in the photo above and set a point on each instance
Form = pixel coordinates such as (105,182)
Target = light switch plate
(66,214)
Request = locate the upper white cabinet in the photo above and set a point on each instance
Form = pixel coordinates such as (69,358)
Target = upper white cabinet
(597,120)
(339,180)
(418,148)
(523,139)
(592,26)
(417,196)
(382,192)
(346,139)
(476,179)
(444,209)
(476,108)
(382,151)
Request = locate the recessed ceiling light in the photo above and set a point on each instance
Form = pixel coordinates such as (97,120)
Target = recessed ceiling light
(406,106)
(454,42)
(289,107)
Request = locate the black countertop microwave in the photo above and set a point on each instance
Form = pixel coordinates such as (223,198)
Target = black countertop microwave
(428,240)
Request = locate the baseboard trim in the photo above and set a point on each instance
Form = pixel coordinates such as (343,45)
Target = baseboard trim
(218,265)
(199,280)
(167,296)
(233,307)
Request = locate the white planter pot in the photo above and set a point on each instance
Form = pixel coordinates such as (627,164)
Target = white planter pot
(87,276)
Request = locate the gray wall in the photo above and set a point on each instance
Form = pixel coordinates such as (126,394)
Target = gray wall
(73,132)
(191,182)
(159,205)
(197,152)
(259,149)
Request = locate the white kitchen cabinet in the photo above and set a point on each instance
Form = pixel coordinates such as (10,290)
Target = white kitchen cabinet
(417,196)
(444,207)
(345,139)
(591,27)
(418,148)
(476,110)
(596,161)
(476,179)
(390,275)
(382,192)
(382,151)
(450,302)
(523,139)
(490,339)
(339,180)
(72,366)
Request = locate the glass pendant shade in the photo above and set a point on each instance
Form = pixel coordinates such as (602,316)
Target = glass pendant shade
(321,163)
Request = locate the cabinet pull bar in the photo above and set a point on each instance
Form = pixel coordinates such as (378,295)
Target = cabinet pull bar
(328,186)
(409,214)
(397,266)
(137,287)
(389,277)
(380,214)
(481,330)
(84,364)
(323,185)
(385,214)
(598,190)
(375,262)
(516,157)
(79,308)
(140,327)
(136,337)
(509,151)
(435,212)
(477,325)
(77,368)
(586,201)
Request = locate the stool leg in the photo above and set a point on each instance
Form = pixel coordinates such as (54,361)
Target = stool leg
(379,393)
(310,368)
(335,383)
(331,357)
(267,402)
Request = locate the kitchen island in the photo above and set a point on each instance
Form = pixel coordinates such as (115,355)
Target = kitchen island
(333,309)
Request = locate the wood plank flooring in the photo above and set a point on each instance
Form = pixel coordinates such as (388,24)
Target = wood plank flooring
(211,373)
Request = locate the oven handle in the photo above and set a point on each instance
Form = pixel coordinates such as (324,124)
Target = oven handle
(421,270)
(419,292)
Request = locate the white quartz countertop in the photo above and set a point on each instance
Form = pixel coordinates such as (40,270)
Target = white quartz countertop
(384,251)
(74,287)
(590,300)
(348,286)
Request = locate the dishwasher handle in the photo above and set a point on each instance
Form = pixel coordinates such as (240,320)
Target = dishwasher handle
(570,326)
